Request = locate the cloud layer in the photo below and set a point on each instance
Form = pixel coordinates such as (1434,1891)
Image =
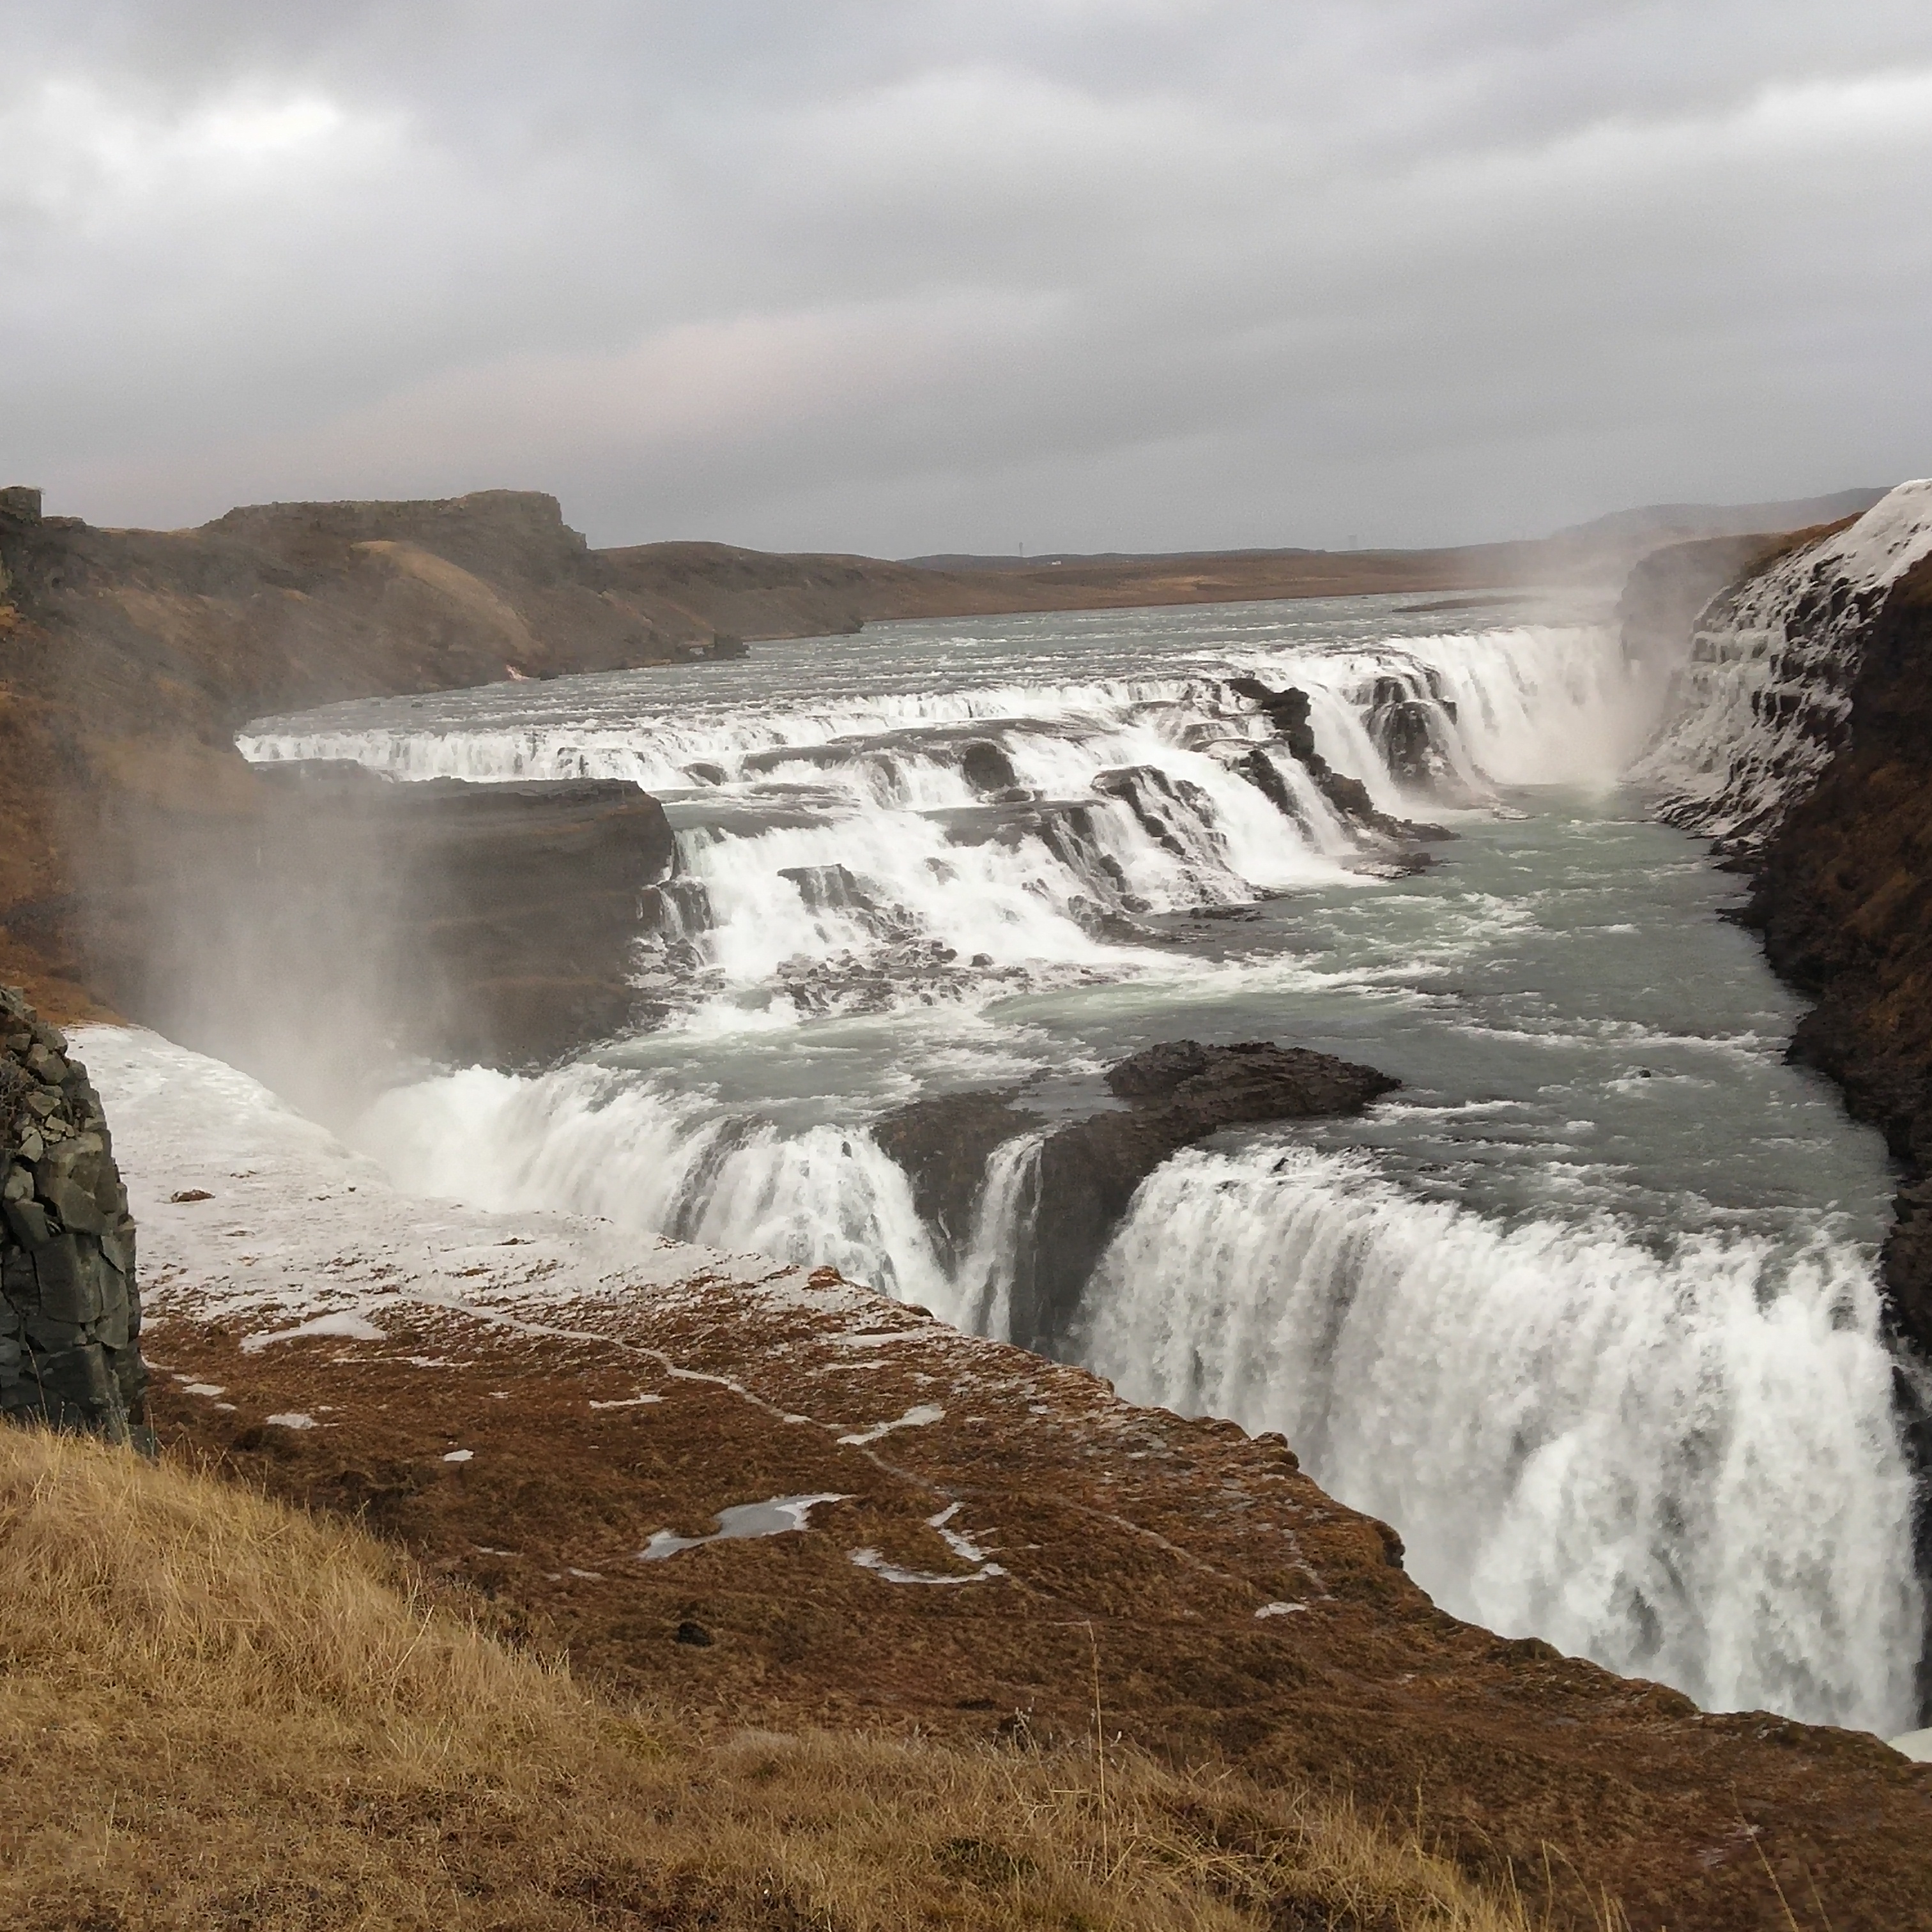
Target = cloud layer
(894,276)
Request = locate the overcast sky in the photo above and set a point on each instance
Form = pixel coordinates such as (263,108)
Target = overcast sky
(896,277)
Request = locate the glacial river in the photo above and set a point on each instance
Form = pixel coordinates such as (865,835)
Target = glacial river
(1586,1310)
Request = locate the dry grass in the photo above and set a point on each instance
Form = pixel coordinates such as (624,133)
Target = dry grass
(217,1713)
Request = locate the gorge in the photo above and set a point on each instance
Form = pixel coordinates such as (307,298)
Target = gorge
(1297,1014)
(987,861)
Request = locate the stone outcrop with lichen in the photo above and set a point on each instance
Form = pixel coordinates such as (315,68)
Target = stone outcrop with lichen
(70,1310)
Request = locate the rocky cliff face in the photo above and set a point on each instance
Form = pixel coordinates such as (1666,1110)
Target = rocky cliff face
(69,1308)
(1843,896)
(1085,1171)
(1764,702)
(350,922)
(145,867)
(1803,744)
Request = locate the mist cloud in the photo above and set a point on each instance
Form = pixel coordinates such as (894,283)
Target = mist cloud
(898,276)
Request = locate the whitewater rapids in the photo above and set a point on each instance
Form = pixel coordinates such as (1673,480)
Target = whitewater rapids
(1587,1311)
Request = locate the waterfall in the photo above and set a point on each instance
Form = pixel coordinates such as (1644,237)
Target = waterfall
(1763,702)
(1520,705)
(590,1140)
(1680,1461)
(932,861)
(887,849)
(982,1301)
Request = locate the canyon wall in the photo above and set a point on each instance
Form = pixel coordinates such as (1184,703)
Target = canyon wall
(1843,894)
(1801,741)
(1802,744)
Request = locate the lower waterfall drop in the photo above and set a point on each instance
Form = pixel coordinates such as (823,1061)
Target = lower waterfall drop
(1681,1464)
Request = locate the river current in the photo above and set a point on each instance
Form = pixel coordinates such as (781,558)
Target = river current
(1586,1310)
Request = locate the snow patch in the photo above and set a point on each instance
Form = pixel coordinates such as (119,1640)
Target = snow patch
(345,1323)
(776,1515)
(920,1416)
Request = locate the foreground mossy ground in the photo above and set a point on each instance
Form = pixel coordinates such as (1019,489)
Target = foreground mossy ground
(218,1712)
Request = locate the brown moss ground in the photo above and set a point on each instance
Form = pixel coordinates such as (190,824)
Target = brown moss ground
(216,1713)
(1135,1545)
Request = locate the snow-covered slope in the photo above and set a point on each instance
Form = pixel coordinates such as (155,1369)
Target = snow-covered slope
(1765,701)
(251,1214)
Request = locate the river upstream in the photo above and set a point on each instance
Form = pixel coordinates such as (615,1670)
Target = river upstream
(1586,1310)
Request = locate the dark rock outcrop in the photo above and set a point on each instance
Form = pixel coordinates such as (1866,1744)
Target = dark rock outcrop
(438,920)
(1843,895)
(1288,711)
(1176,1094)
(985,766)
(944,1144)
(69,1308)
(1173,1096)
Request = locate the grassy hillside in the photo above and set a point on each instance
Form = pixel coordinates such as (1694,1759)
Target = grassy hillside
(218,1713)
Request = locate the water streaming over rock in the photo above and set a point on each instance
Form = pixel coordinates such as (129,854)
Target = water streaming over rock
(1677,1458)
(1588,1315)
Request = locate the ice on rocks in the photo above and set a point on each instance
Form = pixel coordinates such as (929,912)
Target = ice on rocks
(920,1416)
(336,1250)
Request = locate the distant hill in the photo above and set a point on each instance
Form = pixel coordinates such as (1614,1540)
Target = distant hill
(1623,533)
(1053,559)
(1673,523)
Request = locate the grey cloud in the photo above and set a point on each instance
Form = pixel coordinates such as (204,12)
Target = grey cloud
(898,276)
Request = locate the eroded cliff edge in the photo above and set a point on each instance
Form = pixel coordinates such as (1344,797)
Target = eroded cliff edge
(1800,742)
(1843,894)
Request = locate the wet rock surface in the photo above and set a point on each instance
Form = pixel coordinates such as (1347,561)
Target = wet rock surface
(944,1145)
(1288,711)
(1843,895)
(1173,1095)
(436,920)
(69,1308)
(1176,1094)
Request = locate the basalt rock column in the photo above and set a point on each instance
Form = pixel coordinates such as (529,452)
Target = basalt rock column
(70,1311)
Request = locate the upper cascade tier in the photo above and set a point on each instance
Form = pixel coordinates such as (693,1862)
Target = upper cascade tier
(1764,701)
(929,817)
